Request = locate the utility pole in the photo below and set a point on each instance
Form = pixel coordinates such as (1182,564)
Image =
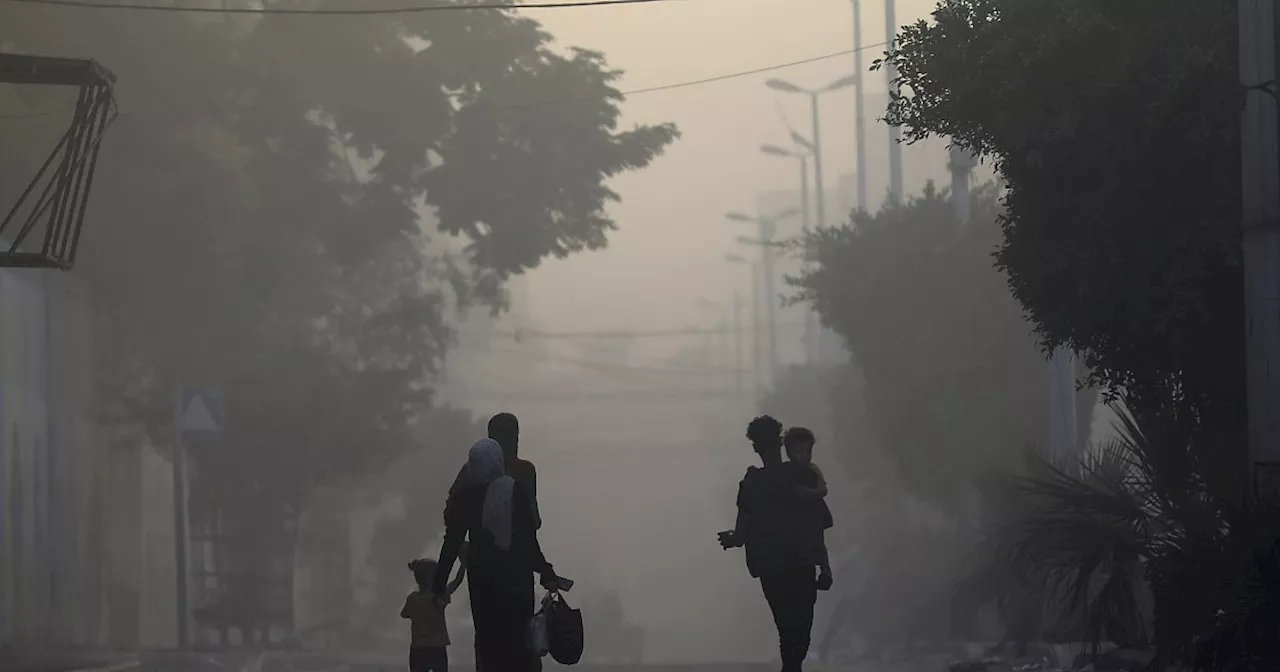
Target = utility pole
(812,331)
(714,335)
(895,147)
(737,342)
(1260,182)
(810,322)
(817,163)
(180,543)
(859,132)
(961,164)
(805,221)
(768,230)
(757,326)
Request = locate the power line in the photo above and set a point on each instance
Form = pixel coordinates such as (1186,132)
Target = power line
(521,334)
(524,106)
(694,82)
(412,9)
(606,395)
(558,357)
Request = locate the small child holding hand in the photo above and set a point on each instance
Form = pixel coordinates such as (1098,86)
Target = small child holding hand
(428,650)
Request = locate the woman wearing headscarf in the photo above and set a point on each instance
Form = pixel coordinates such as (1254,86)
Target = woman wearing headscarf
(495,513)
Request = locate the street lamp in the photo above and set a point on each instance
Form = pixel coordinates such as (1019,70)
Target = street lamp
(811,346)
(756,368)
(803,156)
(816,146)
(748,240)
(768,230)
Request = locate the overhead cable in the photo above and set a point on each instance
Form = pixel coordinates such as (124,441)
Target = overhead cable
(368,11)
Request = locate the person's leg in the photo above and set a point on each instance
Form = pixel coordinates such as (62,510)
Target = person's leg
(776,588)
(806,600)
(438,659)
(485,609)
(418,660)
(792,595)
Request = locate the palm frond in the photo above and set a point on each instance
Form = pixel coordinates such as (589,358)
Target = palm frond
(1075,533)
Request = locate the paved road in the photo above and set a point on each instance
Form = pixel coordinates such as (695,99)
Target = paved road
(719,667)
(24,661)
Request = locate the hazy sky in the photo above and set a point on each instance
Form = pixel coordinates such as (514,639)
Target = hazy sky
(668,251)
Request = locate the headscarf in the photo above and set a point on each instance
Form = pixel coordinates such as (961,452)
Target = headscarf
(486,464)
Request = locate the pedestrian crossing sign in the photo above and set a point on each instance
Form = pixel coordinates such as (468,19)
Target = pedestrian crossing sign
(200,412)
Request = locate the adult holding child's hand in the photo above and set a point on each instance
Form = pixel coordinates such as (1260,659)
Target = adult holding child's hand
(496,514)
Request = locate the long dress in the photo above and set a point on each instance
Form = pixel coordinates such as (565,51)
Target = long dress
(500,582)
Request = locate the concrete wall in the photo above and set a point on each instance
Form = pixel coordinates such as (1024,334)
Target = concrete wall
(139,583)
(42,481)
(77,459)
(24,441)
(83,545)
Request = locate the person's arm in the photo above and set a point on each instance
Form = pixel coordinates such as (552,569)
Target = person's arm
(404,611)
(818,491)
(533,496)
(524,536)
(742,524)
(455,533)
(458,483)
(460,480)
(462,570)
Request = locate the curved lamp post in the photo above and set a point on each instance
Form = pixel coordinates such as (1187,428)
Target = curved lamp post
(816,146)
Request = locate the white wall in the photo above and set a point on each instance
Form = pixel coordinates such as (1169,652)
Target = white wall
(85,536)
(24,443)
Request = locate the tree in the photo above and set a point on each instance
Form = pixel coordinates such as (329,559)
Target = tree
(1121,228)
(1128,544)
(953,383)
(290,207)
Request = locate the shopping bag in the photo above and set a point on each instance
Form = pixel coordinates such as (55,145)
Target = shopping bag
(564,629)
(536,635)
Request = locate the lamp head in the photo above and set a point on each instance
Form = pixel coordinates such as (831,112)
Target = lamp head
(784,86)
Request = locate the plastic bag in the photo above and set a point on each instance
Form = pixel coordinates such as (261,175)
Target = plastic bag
(539,640)
(564,629)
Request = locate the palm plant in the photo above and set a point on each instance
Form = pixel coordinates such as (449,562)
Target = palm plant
(1064,546)
(1141,541)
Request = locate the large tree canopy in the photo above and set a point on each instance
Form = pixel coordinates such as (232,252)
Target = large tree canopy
(1121,230)
(288,207)
(953,382)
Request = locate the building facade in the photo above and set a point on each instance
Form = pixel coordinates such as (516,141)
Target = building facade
(82,528)
(47,461)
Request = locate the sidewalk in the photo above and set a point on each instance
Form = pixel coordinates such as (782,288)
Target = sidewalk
(66,661)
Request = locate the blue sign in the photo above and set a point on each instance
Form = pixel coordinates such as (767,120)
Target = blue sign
(201,412)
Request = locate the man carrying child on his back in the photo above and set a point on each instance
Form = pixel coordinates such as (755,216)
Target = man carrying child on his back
(781,524)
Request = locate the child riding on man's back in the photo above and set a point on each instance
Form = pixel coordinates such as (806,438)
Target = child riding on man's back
(799,442)
(428,650)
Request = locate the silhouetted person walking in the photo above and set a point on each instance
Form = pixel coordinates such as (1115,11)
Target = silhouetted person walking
(783,540)
(496,513)
(505,429)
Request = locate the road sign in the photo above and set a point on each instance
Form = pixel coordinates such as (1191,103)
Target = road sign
(200,412)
